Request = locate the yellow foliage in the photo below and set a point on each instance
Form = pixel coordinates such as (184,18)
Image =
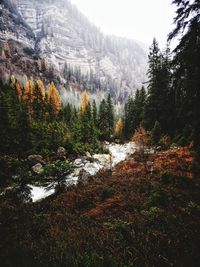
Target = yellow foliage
(84,101)
(41,88)
(54,98)
(29,91)
(118,128)
(18,89)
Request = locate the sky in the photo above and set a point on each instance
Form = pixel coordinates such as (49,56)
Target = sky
(141,20)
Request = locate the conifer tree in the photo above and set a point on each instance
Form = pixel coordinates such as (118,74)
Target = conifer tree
(54,98)
(110,115)
(94,113)
(103,124)
(186,65)
(84,101)
(18,89)
(118,128)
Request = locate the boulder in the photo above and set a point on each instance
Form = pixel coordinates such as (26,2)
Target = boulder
(61,152)
(36,159)
(37,169)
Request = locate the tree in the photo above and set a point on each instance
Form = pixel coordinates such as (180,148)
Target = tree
(18,89)
(142,139)
(103,121)
(84,101)
(39,104)
(110,115)
(54,98)
(94,113)
(57,173)
(118,128)
(158,98)
(186,63)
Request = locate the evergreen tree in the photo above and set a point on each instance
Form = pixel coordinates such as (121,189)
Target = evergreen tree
(187,67)
(103,124)
(94,113)
(110,116)
(158,89)
(129,127)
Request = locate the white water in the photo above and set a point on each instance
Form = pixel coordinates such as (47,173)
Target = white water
(118,153)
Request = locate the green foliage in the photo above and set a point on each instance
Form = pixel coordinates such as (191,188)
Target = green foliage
(134,113)
(106,119)
(56,173)
(168,178)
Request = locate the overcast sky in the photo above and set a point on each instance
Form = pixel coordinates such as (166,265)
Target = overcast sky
(136,19)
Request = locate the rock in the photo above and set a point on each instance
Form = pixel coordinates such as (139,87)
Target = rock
(84,177)
(92,168)
(79,162)
(36,159)
(61,152)
(88,155)
(37,168)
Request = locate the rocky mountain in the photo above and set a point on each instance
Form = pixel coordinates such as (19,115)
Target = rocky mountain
(58,34)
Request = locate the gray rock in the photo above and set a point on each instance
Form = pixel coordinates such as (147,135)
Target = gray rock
(61,152)
(37,169)
(36,159)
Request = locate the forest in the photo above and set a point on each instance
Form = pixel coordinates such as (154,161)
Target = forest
(145,211)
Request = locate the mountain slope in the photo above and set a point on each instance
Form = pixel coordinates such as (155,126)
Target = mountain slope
(62,35)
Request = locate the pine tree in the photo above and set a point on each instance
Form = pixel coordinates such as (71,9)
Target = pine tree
(39,104)
(103,124)
(129,126)
(186,62)
(94,113)
(110,115)
(158,98)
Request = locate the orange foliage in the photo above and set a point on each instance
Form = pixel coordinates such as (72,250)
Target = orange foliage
(54,98)
(177,161)
(118,128)
(29,91)
(141,137)
(18,89)
(41,88)
(84,101)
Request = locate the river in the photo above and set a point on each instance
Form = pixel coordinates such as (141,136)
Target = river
(118,153)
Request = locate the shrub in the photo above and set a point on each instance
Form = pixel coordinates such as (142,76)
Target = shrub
(57,174)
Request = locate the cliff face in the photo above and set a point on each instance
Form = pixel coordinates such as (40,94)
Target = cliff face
(58,32)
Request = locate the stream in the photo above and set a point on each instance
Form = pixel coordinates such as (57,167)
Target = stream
(90,165)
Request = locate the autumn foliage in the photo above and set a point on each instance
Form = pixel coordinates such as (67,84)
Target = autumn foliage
(84,101)
(118,128)
(54,98)
(113,220)
(141,137)
(41,88)
(18,89)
